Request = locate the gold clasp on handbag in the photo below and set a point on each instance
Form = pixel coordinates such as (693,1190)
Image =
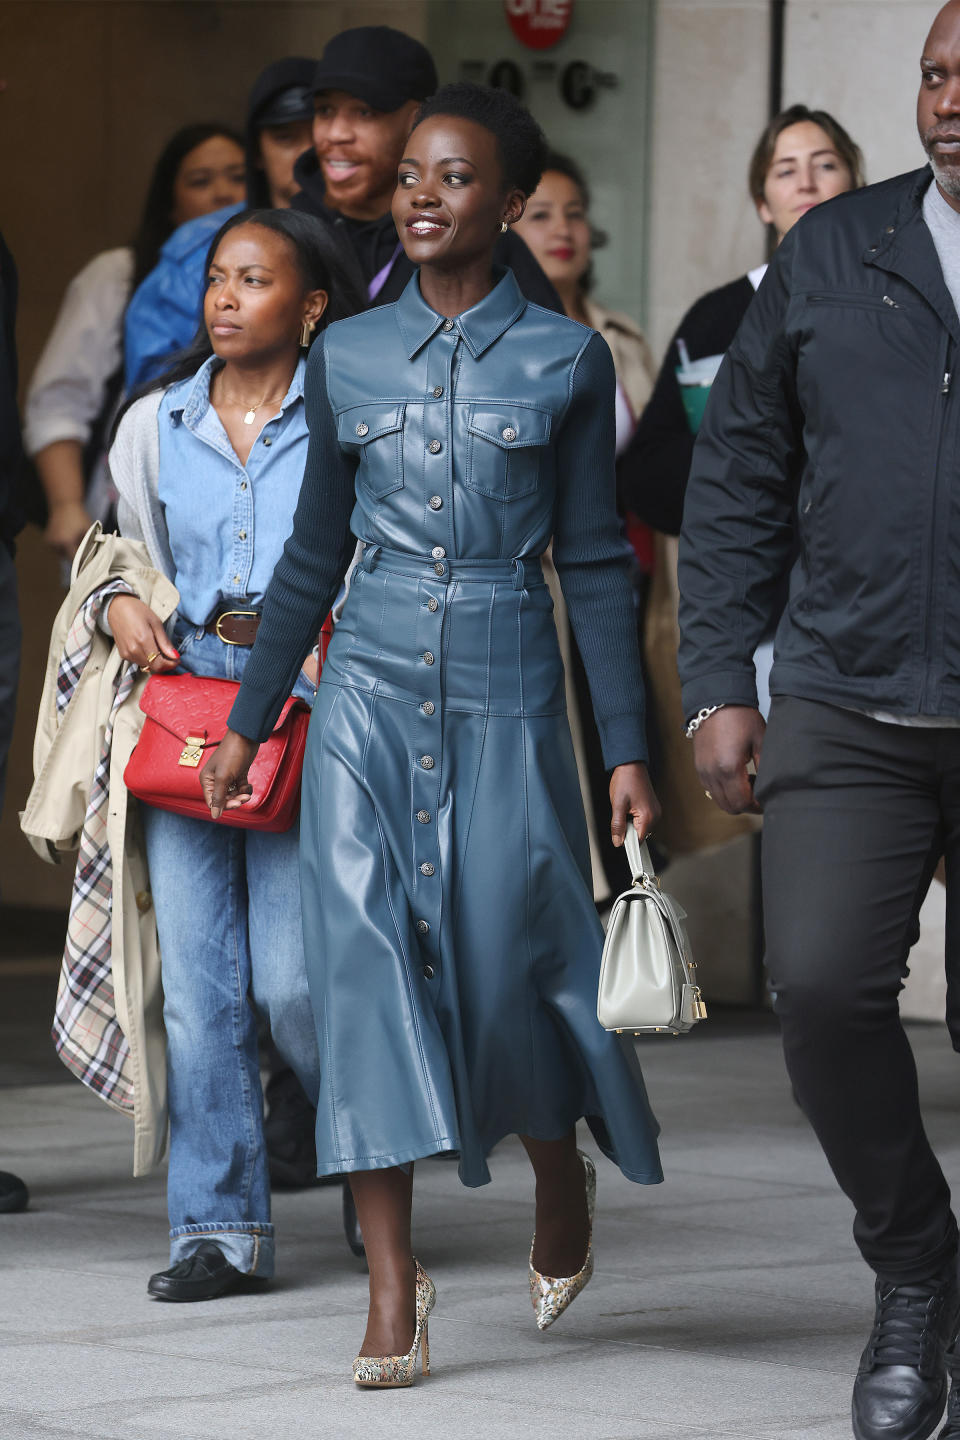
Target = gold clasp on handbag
(192,753)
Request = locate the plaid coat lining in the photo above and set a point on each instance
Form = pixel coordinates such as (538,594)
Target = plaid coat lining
(86,1031)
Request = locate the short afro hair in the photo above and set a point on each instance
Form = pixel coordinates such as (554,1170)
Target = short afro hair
(520,141)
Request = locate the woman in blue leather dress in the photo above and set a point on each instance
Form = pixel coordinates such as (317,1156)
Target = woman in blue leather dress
(452,943)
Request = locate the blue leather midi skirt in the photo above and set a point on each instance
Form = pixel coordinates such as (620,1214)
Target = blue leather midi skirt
(452,943)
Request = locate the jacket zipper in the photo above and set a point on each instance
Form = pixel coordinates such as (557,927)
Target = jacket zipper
(925,698)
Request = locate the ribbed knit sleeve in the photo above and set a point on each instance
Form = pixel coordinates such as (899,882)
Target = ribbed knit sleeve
(589,555)
(308,573)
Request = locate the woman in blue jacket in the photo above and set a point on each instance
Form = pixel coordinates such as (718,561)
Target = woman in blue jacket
(454,945)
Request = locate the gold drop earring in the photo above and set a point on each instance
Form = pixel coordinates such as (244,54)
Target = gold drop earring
(306,330)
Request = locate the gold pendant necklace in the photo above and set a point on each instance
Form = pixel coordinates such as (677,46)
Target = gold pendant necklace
(251,414)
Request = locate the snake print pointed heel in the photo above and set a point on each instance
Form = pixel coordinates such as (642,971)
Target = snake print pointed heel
(551,1295)
(395,1372)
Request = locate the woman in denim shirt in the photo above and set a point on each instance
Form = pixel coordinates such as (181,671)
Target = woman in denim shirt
(209,467)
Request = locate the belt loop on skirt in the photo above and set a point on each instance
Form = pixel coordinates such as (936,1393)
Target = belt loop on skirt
(519,579)
(369,557)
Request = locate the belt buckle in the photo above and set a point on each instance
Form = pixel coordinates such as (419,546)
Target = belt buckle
(225,615)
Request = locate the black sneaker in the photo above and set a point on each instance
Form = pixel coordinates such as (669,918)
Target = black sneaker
(901,1386)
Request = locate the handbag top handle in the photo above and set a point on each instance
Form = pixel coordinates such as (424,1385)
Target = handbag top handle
(638,856)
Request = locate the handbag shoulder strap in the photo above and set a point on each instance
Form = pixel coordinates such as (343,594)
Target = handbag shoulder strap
(638,856)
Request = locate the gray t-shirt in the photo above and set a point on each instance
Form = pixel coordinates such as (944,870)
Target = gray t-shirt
(943,222)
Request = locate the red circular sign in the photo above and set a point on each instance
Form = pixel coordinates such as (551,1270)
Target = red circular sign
(538,24)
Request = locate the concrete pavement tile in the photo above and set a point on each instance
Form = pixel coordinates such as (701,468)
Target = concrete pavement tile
(51,1378)
(686,1316)
(587,1390)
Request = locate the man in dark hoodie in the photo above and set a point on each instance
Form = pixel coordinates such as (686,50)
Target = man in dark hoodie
(368,87)
(164,312)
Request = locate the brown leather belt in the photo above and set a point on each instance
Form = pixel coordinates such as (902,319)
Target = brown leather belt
(235,627)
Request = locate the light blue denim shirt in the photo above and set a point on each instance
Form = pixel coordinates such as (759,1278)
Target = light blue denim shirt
(227,522)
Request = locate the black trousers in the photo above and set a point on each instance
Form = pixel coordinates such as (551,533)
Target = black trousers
(857,813)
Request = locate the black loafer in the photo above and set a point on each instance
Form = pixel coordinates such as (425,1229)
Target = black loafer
(204,1275)
(13,1193)
(901,1386)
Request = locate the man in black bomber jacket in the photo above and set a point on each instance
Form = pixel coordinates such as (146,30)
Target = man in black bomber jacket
(834,426)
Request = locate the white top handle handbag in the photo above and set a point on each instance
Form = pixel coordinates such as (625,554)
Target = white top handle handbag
(648,979)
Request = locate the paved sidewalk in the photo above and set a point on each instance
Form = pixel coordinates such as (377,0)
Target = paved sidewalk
(727,1302)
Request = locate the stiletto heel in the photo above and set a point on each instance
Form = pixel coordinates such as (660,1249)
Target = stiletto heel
(394,1372)
(550,1295)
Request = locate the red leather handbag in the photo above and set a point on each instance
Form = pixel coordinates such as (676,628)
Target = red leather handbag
(186,718)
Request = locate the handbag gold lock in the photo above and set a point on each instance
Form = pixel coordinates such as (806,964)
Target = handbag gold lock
(191,755)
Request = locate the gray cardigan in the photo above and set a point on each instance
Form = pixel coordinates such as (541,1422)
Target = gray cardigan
(134,462)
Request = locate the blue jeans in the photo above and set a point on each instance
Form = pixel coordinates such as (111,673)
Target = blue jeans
(228,915)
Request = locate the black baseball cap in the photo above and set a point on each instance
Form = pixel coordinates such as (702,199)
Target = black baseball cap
(382,66)
(282,92)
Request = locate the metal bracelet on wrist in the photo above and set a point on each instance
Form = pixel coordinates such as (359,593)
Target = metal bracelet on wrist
(694,725)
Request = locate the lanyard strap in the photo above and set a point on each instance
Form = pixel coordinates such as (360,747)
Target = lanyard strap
(381,277)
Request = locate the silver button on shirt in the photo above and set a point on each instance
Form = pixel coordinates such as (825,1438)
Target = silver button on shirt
(433,605)
(427,869)
(363,429)
(428,972)
(434,447)
(447,325)
(424,817)
(509,434)
(437,391)
(426,762)
(428,708)
(438,552)
(423,928)
(435,502)
(428,657)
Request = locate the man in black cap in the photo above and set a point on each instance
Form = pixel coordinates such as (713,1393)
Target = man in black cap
(279,113)
(368,87)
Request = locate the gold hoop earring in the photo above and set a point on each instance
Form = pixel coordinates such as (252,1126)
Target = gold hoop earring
(504,227)
(306,330)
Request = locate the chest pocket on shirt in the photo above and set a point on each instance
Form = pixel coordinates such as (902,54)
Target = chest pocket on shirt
(504,450)
(374,432)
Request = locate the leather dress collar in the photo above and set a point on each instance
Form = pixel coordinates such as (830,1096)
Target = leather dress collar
(479,326)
